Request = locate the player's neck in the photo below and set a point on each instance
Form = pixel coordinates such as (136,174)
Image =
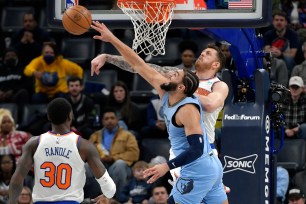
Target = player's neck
(205,75)
(175,99)
(60,129)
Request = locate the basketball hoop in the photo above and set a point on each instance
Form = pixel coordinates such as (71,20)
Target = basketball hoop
(151,20)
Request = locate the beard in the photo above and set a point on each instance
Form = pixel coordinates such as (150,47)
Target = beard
(171,86)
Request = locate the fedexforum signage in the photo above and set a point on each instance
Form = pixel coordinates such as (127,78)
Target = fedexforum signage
(241,117)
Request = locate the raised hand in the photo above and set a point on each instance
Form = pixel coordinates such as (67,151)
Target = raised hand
(97,63)
(105,34)
(156,172)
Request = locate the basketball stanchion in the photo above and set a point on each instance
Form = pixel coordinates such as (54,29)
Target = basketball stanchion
(151,20)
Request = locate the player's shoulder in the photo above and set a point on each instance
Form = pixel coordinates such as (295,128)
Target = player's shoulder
(85,145)
(32,144)
(188,107)
(219,85)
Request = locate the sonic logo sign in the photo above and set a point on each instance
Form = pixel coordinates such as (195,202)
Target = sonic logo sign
(245,164)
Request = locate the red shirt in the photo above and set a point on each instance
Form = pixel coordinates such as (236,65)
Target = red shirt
(15,140)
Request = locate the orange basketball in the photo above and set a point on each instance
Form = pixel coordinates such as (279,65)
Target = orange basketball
(77,20)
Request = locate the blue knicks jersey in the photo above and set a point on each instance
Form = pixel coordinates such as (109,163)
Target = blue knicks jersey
(177,134)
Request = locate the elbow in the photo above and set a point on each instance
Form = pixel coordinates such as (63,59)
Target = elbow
(209,108)
(199,153)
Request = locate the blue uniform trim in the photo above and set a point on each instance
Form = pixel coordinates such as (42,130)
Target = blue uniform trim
(212,145)
(57,202)
(194,151)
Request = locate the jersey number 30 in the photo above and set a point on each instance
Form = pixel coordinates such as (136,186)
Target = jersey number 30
(59,175)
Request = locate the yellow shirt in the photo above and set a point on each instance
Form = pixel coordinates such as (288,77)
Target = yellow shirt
(64,69)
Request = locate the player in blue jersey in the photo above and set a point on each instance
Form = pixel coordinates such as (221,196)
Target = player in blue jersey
(201,171)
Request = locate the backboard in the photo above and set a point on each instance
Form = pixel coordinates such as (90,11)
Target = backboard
(187,13)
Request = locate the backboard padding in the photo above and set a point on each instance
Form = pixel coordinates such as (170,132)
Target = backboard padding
(185,15)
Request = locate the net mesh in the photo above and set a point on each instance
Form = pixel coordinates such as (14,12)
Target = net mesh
(151,20)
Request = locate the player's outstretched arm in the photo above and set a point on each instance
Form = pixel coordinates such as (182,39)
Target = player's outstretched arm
(138,64)
(119,61)
(23,167)
(92,157)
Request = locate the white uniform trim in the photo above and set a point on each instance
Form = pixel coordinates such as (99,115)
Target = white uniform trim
(59,169)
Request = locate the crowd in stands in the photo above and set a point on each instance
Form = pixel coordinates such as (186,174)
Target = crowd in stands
(33,70)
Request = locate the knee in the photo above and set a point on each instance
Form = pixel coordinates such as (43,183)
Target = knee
(302,131)
(119,164)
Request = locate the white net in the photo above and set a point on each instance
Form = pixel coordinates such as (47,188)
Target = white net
(151,20)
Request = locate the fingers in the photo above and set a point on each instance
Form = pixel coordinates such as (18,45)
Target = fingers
(96,25)
(153,178)
(148,172)
(227,189)
(152,173)
(96,199)
(92,70)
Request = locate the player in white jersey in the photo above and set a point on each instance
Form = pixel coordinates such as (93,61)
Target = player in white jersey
(187,134)
(59,158)
(212,92)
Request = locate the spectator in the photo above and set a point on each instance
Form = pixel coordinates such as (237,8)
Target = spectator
(156,127)
(137,190)
(300,70)
(282,183)
(296,13)
(7,168)
(117,147)
(50,71)
(82,107)
(14,86)
(126,110)
(26,196)
(29,40)
(12,140)
(294,109)
(188,50)
(282,41)
(296,196)
(278,71)
(229,61)
(159,195)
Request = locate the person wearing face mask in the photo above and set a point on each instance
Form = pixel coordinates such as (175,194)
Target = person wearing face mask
(13,83)
(50,71)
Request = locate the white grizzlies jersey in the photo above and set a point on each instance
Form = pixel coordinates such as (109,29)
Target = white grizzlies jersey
(205,88)
(59,169)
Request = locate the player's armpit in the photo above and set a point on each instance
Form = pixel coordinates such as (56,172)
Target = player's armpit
(191,124)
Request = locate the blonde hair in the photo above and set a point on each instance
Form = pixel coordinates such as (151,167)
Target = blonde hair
(6,112)
(30,194)
(140,164)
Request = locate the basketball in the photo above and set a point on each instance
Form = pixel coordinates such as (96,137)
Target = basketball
(77,20)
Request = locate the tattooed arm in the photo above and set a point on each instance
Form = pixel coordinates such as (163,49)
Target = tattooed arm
(122,64)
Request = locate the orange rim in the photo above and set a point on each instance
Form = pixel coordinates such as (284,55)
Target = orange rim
(156,12)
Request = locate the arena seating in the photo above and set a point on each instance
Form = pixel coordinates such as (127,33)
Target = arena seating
(293,155)
(11,19)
